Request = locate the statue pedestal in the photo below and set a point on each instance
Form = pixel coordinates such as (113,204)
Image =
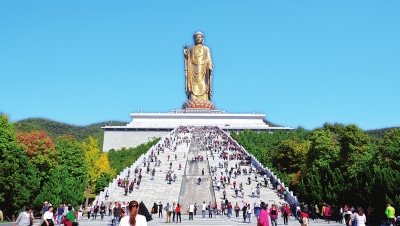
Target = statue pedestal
(199,104)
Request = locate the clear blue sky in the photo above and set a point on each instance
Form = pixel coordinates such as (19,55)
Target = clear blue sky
(304,62)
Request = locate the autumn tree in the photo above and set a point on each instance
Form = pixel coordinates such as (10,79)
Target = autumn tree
(40,150)
(98,167)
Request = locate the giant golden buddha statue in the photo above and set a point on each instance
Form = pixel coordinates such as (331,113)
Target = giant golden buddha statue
(198,72)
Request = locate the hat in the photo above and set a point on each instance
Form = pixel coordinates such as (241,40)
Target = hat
(45,202)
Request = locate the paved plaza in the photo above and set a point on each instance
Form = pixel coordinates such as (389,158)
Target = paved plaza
(220,220)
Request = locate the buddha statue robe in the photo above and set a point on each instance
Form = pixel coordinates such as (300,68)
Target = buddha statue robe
(198,73)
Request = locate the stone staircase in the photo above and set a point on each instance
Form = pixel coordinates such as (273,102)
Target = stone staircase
(186,190)
(192,192)
(157,190)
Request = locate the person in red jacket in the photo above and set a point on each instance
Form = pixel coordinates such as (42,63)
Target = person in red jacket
(286,213)
(304,217)
(229,207)
(178,213)
(328,213)
(66,221)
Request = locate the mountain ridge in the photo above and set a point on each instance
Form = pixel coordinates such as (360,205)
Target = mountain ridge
(55,129)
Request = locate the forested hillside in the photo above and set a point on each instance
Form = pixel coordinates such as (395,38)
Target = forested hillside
(379,133)
(334,164)
(55,129)
(57,169)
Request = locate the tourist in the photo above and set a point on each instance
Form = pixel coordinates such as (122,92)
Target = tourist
(273,213)
(244,210)
(173,212)
(249,211)
(257,208)
(133,219)
(71,217)
(80,213)
(263,217)
(178,213)
(203,210)
(88,211)
(48,217)
(167,210)
(60,211)
(117,214)
(237,210)
(44,209)
(389,212)
(126,190)
(95,211)
(360,218)
(24,218)
(229,207)
(160,208)
(209,207)
(304,218)
(347,215)
(195,209)
(191,210)
(222,208)
(102,211)
(328,213)
(286,213)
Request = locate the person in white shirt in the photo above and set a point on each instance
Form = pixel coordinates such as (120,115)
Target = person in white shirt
(359,217)
(191,210)
(48,217)
(203,210)
(88,208)
(133,219)
(24,218)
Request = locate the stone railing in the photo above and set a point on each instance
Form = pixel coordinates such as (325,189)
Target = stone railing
(124,173)
(290,197)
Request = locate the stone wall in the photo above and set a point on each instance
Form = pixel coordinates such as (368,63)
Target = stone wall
(129,139)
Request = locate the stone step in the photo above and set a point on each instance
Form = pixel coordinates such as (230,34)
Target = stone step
(197,220)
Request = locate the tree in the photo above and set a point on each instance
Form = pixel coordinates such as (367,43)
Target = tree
(18,177)
(40,150)
(98,166)
(68,181)
(291,155)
